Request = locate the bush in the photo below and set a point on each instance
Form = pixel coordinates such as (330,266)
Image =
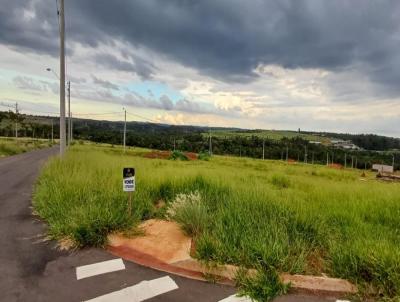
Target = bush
(280,181)
(204,156)
(177,155)
(189,211)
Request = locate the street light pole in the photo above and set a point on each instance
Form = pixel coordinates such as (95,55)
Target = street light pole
(69,113)
(62,80)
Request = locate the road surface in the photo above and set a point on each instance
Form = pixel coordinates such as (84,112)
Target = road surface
(32,269)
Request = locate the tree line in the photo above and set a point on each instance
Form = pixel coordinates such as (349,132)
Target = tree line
(196,139)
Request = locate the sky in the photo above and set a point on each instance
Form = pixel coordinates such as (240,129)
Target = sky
(309,64)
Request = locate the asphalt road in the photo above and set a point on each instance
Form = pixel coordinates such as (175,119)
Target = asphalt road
(32,269)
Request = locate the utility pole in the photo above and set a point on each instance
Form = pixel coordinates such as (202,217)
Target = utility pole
(62,79)
(72,129)
(69,111)
(124,130)
(16,120)
(263,149)
(52,131)
(305,154)
(210,145)
(356,163)
(352,161)
(345,160)
(287,153)
(327,158)
(174,144)
(313,157)
(393,161)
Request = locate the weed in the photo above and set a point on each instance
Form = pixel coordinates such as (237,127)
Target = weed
(280,181)
(264,286)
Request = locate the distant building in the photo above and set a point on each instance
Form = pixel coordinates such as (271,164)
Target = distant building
(348,145)
(382,168)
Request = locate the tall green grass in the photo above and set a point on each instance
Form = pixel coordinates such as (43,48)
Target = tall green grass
(13,146)
(252,213)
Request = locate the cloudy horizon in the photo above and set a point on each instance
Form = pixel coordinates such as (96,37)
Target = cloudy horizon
(316,65)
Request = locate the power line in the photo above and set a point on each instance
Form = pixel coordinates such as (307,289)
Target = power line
(7,105)
(143,117)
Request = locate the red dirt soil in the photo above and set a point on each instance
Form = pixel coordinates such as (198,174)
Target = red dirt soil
(336,166)
(167,154)
(158,154)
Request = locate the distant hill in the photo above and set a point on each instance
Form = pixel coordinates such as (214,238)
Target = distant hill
(143,132)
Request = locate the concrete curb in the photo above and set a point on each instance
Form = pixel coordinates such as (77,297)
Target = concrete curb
(166,248)
(322,286)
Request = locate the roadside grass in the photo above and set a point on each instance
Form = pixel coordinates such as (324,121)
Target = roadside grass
(12,146)
(258,214)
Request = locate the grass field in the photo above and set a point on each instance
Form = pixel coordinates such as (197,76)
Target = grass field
(269,134)
(269,215)
(12,146)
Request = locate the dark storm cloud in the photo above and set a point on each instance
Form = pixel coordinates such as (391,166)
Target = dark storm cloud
(225,39)
(135,65)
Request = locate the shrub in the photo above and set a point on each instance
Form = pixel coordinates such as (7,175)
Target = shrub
(204,156)
(177,155)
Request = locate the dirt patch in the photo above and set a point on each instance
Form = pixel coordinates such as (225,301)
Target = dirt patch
(191,155)
(335,166)
(167,155)
(388,177)
(158,154)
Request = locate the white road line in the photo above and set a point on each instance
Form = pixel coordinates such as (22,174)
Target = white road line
(235,298)
(139,292)
(98,268)
(342,301)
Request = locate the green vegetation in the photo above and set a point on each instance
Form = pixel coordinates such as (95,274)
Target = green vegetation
(225,141)
(268,215)
(269,134)
(204,156)
(177,155)
(12,146)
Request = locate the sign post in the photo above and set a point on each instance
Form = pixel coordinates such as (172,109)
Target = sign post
(128,184)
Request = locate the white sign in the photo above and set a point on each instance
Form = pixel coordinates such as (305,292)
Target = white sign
(128,181)
(129,184)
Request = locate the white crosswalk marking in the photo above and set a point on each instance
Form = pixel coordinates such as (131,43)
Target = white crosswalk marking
(139,292)
(235,298)
(99,268)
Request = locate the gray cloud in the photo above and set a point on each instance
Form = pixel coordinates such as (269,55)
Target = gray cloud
(104,83)
(225,39)
(163,103)
(139,66)
(28,83)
